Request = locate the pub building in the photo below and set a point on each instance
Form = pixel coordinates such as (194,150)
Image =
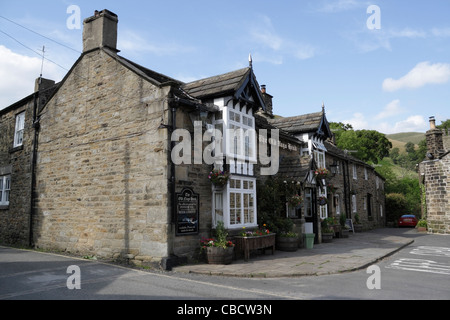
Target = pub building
(121,158)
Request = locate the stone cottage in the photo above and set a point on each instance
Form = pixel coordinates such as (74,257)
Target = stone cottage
(434,174)
(18,145)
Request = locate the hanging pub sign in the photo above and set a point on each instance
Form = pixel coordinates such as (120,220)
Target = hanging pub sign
(188,204)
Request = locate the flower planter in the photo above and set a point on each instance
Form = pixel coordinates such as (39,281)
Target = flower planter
(219,255)
(289,244)
(246,244)
(422,229)
(358,227)
(344,233)
(327,237)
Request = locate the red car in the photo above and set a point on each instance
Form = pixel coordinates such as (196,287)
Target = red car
(407,220)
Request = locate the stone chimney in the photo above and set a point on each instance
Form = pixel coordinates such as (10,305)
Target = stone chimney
(435,144)
(42,84)
(267,100)
(100,31)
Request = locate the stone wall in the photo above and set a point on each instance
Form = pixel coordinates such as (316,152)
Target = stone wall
(370,196)
(436,175)
(102,174)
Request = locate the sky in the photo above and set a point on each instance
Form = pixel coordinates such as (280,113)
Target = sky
(377,65)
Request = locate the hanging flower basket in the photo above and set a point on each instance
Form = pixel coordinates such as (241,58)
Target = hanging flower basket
(218,178)
(322,201)
(321,173)
(331,188)
(295,201)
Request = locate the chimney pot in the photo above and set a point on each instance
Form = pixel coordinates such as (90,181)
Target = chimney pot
(432,123)
(100,31)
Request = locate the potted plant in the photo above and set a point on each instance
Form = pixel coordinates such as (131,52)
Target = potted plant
(327,232)
(250,240)
(357,226)
(218,178)
(219,250)
(287,241)
(344,228)
(322,201)
(295,201)
(422,225)
(321,173)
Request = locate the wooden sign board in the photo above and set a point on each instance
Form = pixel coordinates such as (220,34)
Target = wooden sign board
(188,206)
(349,224)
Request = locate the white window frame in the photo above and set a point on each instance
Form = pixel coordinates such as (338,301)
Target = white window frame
(319,157)
(354,208)
(323,210)
(240,134)
(5,190)
(241,187)
(366,175)
(338,204)
(19,129)
(355,173)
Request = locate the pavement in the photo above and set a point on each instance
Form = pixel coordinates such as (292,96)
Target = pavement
(358,251)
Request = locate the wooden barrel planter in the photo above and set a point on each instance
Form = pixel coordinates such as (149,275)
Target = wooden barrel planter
(218,255)
(289,244)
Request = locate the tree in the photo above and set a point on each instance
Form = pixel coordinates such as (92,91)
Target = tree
(370,145)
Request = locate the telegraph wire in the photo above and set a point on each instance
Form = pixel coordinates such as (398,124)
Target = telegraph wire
(61,44)
(42,53)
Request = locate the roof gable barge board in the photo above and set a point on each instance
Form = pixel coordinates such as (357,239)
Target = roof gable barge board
(234,83)
(314,123)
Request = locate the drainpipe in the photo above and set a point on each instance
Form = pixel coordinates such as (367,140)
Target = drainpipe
(36,106)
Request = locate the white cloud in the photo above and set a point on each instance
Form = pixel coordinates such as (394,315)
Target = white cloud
(342,5)
(21,72)
(358,121)
(422,74)
(264,34)
(411,124)
(393,108)
(132,42)
(441,32)
(414,123)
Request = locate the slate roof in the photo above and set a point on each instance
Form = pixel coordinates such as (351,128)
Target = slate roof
(217,85)
(299,124)
(295,168)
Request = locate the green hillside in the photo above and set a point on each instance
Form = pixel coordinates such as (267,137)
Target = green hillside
(404,137)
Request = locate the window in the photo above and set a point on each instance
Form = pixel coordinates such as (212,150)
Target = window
(319,156)
(337,204)
(241,140)
(20,126)
(308,203)
(218,207)
(354,203)
(366,176)
(5,189)
(242,202)
(354,172)
(323,210)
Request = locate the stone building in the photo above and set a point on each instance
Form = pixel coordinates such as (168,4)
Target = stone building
(434,174)
(351,186)
(354,188)
(114,161)
(17,150)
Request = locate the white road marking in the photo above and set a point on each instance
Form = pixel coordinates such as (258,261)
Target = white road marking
(432,251)
(420,265)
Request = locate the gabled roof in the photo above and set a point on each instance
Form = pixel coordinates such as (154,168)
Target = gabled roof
(315,123)
(232,83)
